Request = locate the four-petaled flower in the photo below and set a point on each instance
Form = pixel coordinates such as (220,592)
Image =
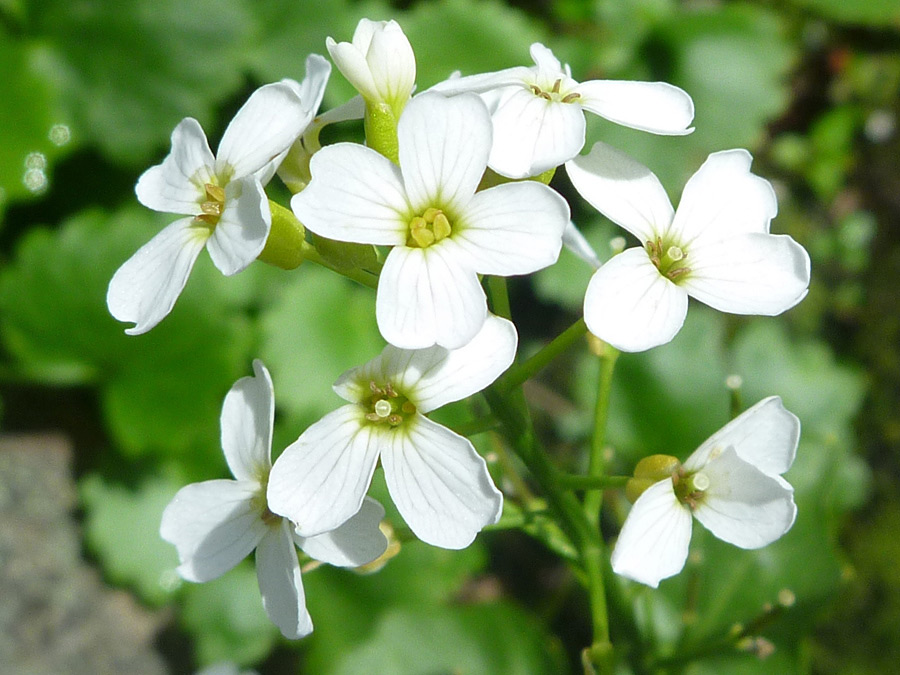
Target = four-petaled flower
(217,523)
(438,482)
(223,197)
(732,484)
(443,233)
(716,248)
(537,111)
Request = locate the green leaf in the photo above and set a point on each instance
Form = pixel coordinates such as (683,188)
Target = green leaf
(490,639)
(316,326)
(868,12)
(227,619)
(162,391)
(132,70)
(472,36)
(121,528)
(28,116)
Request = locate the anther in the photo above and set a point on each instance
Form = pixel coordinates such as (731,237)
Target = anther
(556,85)
(568,98)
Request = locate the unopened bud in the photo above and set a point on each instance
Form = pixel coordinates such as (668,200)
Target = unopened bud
(649,471)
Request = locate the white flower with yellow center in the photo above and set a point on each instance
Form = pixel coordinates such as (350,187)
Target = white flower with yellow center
(443,233)
(538,111)
(440,485)
(379,63)
(716,248)
(217,523)
(732,484)
(222,195)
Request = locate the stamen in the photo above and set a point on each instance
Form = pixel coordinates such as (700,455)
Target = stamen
(215,192)
(556,85)
(568,98)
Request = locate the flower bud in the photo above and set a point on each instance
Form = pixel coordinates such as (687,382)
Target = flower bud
(648,471)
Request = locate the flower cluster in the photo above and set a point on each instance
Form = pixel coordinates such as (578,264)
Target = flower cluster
(452,187)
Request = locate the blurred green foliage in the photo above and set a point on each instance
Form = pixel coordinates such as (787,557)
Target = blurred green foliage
(90,93)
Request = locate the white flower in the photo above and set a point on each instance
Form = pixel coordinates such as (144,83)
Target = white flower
(438,482)
(716,248)
(444,234)
(379,63)
(223,197)
(216,524)
(538,116)
(732,484)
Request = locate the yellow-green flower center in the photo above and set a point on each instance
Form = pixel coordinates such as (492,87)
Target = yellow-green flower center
(386,406)
(211,208)
(670,259)
(429,228)
(554,93)
(690,488)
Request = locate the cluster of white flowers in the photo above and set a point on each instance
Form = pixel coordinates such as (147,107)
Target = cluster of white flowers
(417,189)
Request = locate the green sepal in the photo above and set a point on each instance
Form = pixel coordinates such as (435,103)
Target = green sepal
(284,247)
(345,256)
(650,470)
(381,130)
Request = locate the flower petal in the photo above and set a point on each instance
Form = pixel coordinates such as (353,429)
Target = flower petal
(319,481)
(657,107)
(630,305)
(517,76)
(280,583)
(355,195)
(623,190)
(265,126)
(243,228)
(444,146)
(724,199)
(392,64)
(765,435)
(426,296)
(748,274)
(576,242)
(247,416)
(440,485)
(357,542)
(514,228)
(654,541)
(743,506)
(533,135)
(350,58)
(312,90)
(145,288)
(461,372)
(177,185)
(213,525)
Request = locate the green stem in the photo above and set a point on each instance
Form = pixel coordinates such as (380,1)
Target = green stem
(478,426)
(499,296)
(596,463)
(527,369)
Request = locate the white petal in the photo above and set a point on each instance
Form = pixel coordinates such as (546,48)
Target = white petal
(265,126)
(319,481)
(723,199)
(392,64)
(440,485)
(177,185)
(576,242)
(247,416)
(312,89)
(355,195)
(547,64)
(765,435)
(657,107)
(654,541)
(357,542)
(630,305)
(213,525)
(145,288)
(744,506)
(353,66)
(460,372)
(748,274)
(623,190)
(517,76)
(243,228)
(444,146)
(280,584)
(427,296)
(514,228)
(533,135)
